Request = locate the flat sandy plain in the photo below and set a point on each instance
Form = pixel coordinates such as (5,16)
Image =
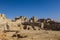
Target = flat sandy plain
(40,35)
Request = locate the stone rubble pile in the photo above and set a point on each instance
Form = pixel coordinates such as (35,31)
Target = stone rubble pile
(22,23)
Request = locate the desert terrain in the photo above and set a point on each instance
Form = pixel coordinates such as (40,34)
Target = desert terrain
(22,28)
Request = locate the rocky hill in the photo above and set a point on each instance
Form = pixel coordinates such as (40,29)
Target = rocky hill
(22,28)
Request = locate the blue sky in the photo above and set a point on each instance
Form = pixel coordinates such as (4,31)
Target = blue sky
(29,8)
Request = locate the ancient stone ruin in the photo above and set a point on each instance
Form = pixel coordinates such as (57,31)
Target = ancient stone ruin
(22,23)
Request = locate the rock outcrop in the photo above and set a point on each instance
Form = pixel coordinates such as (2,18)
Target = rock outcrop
(22,23)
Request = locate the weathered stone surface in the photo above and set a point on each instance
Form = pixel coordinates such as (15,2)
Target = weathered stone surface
(29,29)
(33,19)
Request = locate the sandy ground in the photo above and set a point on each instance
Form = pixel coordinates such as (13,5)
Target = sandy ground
(40,35)
(36,35)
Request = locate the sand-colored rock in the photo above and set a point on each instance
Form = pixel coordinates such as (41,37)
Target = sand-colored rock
(22,28)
